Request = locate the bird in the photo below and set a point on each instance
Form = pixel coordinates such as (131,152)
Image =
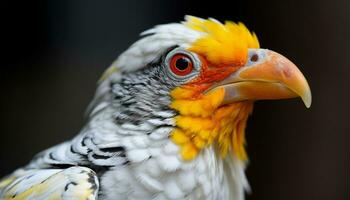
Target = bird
(167,120)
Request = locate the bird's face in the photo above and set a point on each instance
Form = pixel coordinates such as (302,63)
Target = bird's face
(213,77)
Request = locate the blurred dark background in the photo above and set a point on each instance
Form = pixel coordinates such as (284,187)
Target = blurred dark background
(55,51)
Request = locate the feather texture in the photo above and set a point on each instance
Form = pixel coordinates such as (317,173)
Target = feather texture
(41,184)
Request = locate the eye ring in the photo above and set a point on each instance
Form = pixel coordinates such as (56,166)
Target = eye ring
(181,64)
(188,66)
(255,56)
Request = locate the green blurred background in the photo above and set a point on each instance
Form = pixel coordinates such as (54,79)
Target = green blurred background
(55,51)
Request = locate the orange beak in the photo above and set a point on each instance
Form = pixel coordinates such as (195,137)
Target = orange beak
(266,75)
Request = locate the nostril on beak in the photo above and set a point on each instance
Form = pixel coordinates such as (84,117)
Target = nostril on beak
(254,57)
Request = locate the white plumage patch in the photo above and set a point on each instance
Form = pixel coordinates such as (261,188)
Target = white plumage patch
(156,40)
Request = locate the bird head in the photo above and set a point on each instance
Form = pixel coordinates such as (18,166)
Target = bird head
(203,76)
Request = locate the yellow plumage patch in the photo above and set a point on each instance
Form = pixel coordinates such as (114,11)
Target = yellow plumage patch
(107,73)
(5,182)
(36,190)
(201,122)
(222,44)
(203,106)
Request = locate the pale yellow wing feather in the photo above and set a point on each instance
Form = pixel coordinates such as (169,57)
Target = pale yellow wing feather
(71,183)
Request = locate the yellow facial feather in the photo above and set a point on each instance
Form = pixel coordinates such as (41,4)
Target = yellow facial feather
(201,123)
(203,107)
(222,44)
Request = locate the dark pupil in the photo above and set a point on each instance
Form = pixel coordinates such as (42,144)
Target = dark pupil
(254,58)
(181,63)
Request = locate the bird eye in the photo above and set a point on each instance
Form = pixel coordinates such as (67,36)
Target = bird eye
(181,64)
(254,57)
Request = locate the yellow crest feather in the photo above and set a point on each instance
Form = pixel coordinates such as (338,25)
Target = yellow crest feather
(222,44)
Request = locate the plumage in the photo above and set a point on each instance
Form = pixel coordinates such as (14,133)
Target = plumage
(70,183)
(167,120)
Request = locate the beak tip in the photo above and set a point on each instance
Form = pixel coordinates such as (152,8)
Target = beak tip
(307,99)
(308,105)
